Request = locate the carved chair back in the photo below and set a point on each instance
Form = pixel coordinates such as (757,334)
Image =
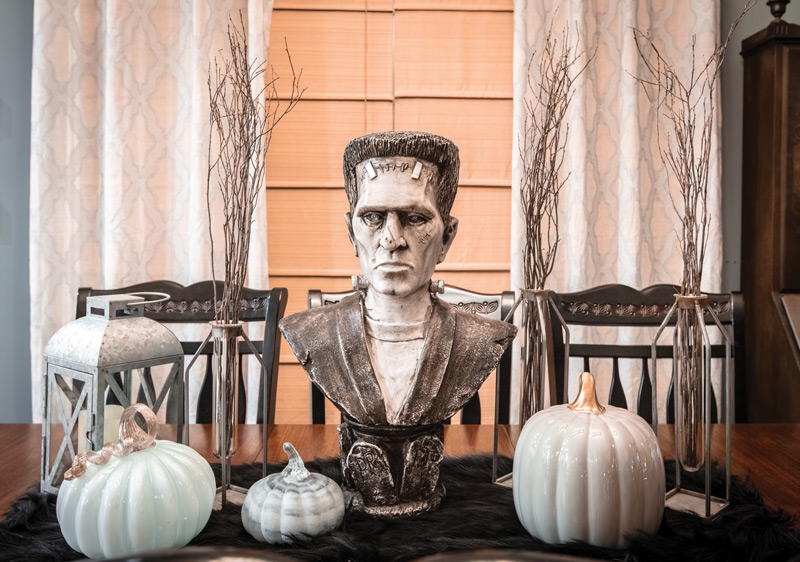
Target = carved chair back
(623,306)
(194,305)
(491,305)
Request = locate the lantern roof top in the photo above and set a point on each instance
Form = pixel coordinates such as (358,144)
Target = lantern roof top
(114,332)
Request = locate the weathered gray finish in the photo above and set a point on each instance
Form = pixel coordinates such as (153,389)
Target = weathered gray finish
(460,350)
(100,340)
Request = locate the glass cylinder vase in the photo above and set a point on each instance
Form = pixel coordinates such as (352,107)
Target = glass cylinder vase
(690,383)
(538,357)
(225,369)
(691,352)
(537,361)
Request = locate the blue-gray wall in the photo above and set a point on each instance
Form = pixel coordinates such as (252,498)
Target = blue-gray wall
(16,34)
(16,38)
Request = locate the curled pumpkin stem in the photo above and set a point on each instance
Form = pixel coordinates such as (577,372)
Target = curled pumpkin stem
(131,439)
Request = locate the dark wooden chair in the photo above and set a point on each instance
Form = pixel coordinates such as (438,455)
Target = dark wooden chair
(194,305)
(623,306)
(495,306)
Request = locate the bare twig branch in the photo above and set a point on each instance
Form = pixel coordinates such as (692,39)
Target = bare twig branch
(685,117)
(541,148)
(242,124)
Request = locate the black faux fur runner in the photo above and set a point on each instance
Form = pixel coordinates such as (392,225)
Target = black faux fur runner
(475,515)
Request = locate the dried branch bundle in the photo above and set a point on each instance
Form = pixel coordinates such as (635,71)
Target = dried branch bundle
(686,106)
(542,145)
(242,123)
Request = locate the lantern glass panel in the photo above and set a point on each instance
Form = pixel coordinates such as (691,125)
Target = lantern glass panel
(68,401)
(154,386)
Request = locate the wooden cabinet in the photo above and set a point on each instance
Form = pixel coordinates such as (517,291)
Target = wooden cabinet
(771,218)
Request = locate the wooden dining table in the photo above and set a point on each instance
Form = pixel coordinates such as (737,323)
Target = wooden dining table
(767,455)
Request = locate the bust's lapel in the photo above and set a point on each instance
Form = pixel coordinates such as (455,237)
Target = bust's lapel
(431,366)
(353,346)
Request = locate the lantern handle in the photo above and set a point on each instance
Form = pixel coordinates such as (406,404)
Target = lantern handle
(164,297)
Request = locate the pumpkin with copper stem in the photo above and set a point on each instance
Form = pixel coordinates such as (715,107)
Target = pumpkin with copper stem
(589,473)
(137,495)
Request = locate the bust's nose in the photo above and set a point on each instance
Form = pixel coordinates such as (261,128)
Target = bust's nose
(392,233)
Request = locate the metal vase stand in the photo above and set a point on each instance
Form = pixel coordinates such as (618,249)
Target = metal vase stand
(690,384)
(538,361)
(225,363)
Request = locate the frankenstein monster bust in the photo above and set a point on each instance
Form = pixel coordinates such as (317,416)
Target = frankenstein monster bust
(396,360)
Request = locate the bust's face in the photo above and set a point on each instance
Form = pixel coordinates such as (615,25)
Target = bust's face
(396,228)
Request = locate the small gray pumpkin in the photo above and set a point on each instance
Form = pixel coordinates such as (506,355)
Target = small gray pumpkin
(292,504)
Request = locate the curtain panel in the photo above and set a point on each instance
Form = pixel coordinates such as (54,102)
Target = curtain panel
(617,220)
(119,152)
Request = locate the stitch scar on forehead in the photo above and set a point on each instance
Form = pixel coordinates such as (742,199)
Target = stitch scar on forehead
(416,169)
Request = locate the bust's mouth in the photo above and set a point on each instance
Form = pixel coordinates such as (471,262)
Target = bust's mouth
(393,267)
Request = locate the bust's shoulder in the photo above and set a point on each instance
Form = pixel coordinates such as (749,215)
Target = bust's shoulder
(321,318)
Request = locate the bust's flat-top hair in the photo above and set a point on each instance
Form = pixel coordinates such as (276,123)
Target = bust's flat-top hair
(441,152)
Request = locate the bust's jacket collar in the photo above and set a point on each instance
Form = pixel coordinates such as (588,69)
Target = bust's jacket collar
(433,360)
(352,340)
(366,404)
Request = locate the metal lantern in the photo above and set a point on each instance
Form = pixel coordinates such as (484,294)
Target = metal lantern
(89,373)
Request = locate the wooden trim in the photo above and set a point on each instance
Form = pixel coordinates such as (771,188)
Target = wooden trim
(424,8)
(311,272)
(410,6)
(413,8)
(338,97)
(340,6)
(334,9)
(437,95)
(420,8)
(410,94)
(493,6)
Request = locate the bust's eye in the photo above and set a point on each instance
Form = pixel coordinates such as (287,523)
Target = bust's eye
(416,220)
(372,218)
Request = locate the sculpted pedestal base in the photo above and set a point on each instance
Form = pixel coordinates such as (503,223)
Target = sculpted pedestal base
(391,471)
(354,502)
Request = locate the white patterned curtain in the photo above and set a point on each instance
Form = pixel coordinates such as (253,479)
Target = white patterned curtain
(119,150)
(617,222)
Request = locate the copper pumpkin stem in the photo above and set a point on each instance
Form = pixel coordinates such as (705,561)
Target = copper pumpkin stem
(131,439)
(586,401)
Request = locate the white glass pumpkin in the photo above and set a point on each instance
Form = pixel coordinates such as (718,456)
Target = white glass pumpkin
(154,498)
(292,504)
(587,472)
